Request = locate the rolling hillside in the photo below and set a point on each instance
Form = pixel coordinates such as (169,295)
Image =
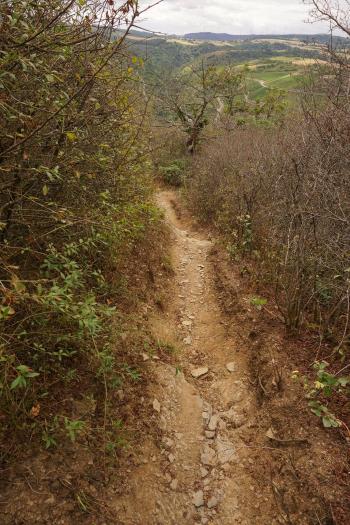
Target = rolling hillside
(274,61)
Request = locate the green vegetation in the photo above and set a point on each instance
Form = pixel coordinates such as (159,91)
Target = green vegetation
(75,210)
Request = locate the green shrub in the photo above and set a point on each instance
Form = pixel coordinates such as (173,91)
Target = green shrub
(174,173)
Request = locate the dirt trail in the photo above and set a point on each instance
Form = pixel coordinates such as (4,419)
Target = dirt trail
(199,473)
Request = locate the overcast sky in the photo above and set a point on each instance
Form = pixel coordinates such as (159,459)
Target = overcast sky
(231,16)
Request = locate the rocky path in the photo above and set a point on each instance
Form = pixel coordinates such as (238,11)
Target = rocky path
(200,472)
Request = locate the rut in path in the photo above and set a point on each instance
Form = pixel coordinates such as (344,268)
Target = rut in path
(199,474)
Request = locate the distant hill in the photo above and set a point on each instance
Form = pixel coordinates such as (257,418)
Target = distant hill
(318,38)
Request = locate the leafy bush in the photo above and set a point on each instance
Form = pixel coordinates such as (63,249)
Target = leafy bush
(173,174)
(75,205)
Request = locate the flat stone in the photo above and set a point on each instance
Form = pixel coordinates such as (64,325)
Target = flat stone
(198,499)
(213,502)
(231,367)
(199,372)
(204,472)
(168,443)
(226,452)
(174,484)
(156,405)
(171,458)
(187,323)
(208,456)
(210,434)
(213,423)
(233,418)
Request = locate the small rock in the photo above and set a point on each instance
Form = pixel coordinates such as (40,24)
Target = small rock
(208,456)
(121,395)
(231,367)
(174,484)
(213,423)
(156,405)
(210,434)
(187,323)
(204,472)
(171,458)
(226,452)
(207,408)
(234,419)
(213,502)
(168,443)
(199,372)
(198,499)
(145,357)
(188,340)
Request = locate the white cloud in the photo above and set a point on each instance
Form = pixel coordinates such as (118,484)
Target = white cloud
(231,16)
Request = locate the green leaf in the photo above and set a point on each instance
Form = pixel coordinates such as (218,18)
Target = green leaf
(19,382)
(329,422)
(45,190)
(258,302)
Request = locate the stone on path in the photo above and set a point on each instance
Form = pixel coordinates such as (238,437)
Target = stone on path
(226,452)
(199,372)
(204,472)
(174,484)
(213,502)
(213,423)
(208,456)
(231,367)
(156,405)
(198,499)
